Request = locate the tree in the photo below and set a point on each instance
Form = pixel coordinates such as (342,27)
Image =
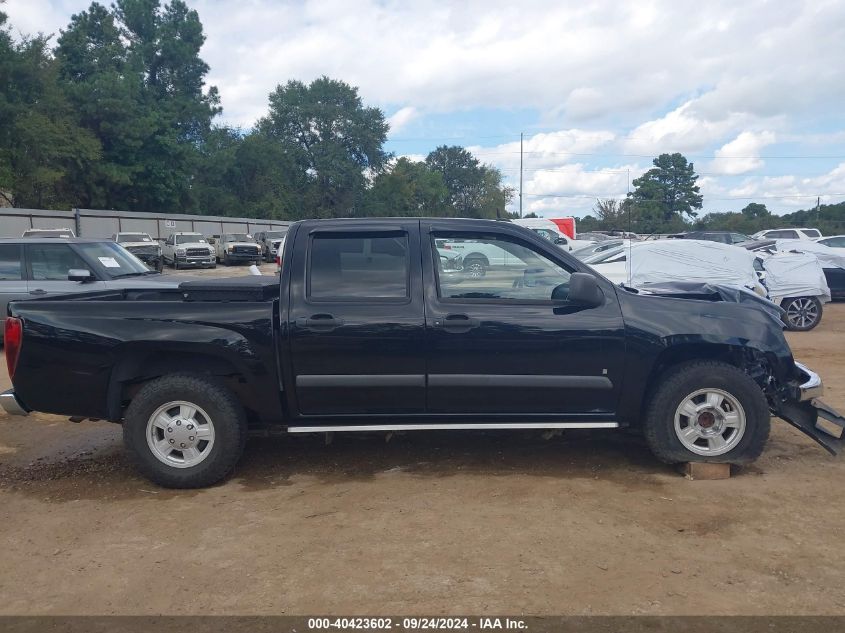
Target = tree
(408,189)
(332,139)
(668,192)
(41,141)
(135,76)
(475,190)
(755,211)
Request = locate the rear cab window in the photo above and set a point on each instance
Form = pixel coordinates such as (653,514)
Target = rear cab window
(358,267)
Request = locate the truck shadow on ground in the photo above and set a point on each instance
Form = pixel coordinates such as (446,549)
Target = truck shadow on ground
(108,473)
(270,463)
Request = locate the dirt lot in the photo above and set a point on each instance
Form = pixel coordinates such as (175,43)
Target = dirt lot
(431,523)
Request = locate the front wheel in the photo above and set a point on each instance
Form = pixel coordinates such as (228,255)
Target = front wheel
(185,431)
(707,411)
(802,313)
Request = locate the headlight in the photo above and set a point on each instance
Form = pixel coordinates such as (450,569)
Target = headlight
(180,251)
(231,249)
(211,251)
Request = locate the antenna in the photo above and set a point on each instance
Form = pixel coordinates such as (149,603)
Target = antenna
(520,174)
(630,241)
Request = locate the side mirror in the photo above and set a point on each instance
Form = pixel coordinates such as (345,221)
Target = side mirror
(561,241)
(211,240)
(584,290)
(79,274)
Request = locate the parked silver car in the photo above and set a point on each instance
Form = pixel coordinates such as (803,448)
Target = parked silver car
(38,267)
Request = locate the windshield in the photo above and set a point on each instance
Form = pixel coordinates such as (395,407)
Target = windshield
(189,238)
(133,237)
(113,260)
(237,237)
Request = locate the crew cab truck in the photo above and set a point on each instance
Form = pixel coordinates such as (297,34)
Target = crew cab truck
(362,332)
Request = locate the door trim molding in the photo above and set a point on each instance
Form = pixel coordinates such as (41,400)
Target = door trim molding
(449,427)
(520,381)
(359,380)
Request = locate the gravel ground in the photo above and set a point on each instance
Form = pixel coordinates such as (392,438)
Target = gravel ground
(433,523)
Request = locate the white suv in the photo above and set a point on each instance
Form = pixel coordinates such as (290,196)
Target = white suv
(788,234)
(188,249)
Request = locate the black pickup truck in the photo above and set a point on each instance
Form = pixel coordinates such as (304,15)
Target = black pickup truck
(372,326)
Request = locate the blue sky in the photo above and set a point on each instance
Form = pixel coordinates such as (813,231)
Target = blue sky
(751,92)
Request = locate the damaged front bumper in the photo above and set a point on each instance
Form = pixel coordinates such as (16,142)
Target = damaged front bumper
(803,409)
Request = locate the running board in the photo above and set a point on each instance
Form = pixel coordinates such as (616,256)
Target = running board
(451,427)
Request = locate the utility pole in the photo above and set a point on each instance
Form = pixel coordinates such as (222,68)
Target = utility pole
(520,174)
(818,209)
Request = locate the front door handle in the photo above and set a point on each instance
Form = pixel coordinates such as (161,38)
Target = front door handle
(457,322)
(319,322)
(38,291)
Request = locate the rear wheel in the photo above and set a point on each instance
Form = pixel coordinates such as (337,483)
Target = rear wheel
(707,411)
(185,431)
(802,313)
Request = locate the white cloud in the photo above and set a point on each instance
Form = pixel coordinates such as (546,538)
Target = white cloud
(742,154)
(401,118)
(794,191)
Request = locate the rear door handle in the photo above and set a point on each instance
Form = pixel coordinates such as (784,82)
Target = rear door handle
(319,322)
(455,322)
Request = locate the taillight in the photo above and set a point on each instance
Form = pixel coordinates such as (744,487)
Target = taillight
(12,338)
(279,261)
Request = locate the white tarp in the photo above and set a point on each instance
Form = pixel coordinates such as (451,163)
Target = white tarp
(661,261)
(795,275)
(828,257)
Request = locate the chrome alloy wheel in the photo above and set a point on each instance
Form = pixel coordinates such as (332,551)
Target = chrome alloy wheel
(802,312)
(180,434)
(475,270)
(709,422)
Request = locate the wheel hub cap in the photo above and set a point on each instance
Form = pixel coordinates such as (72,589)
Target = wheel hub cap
(180,434)
(710,422)
(706,419)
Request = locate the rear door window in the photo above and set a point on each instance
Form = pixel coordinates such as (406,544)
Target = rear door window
(51,262)
(358,267)
(10,262)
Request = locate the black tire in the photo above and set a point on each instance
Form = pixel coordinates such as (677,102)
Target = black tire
(226,259)
(475,267)
(681,381)
(225,412)
(175,265)
(802,313)
(160,265)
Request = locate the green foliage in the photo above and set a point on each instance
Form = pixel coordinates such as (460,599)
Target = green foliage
(408,189)
(829,219)
(332,138)
(117,115)
(474,190)
(41,141)
(667,192)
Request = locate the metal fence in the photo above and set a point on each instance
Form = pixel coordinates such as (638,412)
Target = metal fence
(98,223)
